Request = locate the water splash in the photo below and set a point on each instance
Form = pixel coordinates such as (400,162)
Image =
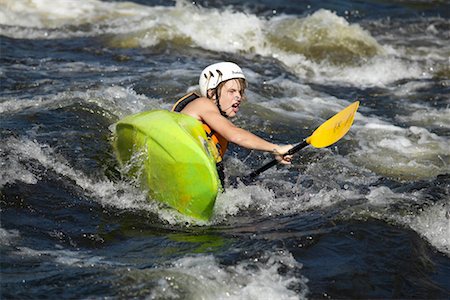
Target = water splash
(116,100)
(322,47)
(401,153)
(203,277)
(431,220)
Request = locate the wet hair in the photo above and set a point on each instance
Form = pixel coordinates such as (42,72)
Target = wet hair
(242,86)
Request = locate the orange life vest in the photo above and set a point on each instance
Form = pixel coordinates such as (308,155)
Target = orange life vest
(218,140)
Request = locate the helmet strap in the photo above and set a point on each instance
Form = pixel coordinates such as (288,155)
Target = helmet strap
(216,91)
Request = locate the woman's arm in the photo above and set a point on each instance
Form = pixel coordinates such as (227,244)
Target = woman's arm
(206,111)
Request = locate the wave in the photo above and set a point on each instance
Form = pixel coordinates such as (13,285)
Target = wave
(432,221)
(116,100)
(204,277)
(322,47)
(410,153)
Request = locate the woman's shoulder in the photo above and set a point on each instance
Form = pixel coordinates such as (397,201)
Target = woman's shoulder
(202,102)
(203,99)
(199,107)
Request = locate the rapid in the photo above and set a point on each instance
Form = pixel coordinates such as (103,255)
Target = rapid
(368,217)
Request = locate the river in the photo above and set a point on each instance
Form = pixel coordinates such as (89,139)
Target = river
(368,217)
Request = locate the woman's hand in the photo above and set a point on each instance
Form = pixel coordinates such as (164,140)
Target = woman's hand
(279,152)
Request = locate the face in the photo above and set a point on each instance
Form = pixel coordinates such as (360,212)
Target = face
(230,97)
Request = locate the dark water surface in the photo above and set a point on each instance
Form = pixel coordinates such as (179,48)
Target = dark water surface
(368,217)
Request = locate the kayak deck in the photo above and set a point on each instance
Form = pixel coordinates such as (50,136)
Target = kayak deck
(176,164)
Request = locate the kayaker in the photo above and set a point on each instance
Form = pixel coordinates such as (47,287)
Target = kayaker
(222,90)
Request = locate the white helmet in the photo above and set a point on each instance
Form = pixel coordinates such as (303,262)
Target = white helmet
(214,74)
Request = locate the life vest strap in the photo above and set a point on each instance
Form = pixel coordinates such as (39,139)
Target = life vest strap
(185,100)
(220,142)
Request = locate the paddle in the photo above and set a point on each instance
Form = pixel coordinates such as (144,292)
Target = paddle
(325,135)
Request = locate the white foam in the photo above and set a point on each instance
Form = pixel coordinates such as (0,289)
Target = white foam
(11,170)
(402,153)
(105,191)
(300,100)
(120,101)
(49,19)
(52,13)
(8,237)
(227,30)
(410,87)
(324,29)
(432,222)
(427,117)
(289,198)
(203,277)
(247,33)
(233,200)
(382,196)
(80,259)
(124,195)
(378,71)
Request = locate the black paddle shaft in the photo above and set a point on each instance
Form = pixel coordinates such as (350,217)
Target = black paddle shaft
(252,175)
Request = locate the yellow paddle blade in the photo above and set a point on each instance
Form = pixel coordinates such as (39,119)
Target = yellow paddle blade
(334,128)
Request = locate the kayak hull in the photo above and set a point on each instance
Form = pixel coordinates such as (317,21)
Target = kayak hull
(173,158)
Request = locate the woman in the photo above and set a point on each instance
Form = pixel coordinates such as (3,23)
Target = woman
(222,89)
